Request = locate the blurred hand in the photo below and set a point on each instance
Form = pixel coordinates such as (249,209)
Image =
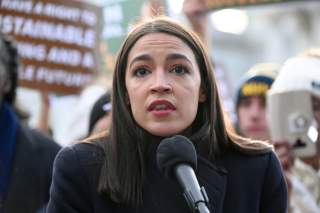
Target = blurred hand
(194,8)
(196,12)
(45,98)
(152,8)
(43,123)
(284,153)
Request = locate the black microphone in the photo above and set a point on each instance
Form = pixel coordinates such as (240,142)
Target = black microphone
(177,159)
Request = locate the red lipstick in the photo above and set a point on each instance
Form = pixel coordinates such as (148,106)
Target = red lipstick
(161,108)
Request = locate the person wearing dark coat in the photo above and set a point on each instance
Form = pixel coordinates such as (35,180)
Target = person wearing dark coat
(164,86)
(26,156)
(237,183)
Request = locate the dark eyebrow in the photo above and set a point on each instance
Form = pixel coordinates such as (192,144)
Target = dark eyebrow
(143,57)
(175,56)
(172,56)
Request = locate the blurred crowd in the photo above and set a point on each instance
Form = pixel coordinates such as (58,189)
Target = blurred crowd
(27,155)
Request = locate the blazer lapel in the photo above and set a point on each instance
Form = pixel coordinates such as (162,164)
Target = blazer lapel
(214,180)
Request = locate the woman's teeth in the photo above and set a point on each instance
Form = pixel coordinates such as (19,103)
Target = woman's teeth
(160,107)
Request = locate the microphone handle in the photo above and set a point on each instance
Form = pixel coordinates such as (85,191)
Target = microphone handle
(202,208)
(192,191)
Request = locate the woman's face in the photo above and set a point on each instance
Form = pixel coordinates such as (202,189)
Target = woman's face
(163,84)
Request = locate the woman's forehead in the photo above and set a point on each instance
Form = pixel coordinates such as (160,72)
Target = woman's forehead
(160,43)
(159,39)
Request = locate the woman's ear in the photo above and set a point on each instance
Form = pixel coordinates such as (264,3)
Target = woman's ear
(202,96)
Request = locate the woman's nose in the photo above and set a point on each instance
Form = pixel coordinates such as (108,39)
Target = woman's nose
(161,83)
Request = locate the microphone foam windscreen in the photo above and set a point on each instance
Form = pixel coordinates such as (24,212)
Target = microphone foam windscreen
(173,151)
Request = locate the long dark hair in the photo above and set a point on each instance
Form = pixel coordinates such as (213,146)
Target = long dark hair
(9,60)
(123,171)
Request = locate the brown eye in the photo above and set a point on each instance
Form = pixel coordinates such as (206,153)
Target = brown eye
(179,70)
(141,72)
(245,102)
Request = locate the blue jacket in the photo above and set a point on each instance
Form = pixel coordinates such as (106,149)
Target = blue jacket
(236,183)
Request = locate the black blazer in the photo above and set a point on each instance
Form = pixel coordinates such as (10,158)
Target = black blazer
(236,183)
(31,174)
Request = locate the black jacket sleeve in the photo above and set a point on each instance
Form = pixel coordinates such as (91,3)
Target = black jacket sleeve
(69,191)
(275,193)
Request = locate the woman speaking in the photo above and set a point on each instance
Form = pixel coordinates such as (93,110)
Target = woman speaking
(163,86)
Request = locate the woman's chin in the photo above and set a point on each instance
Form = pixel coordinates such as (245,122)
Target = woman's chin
(168,131)
(163,132)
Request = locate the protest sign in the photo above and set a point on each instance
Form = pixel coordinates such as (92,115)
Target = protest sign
(220,4)
(118,16)
(57,40)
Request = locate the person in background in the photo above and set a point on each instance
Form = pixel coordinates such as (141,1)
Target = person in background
(43,124)
(196,12)
(78,124)
(301,73)
(26,156)
(100,115)
(164,85)
(152,8)
(250,101)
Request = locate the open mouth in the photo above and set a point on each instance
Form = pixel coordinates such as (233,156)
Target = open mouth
(159,105)
(161,108)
